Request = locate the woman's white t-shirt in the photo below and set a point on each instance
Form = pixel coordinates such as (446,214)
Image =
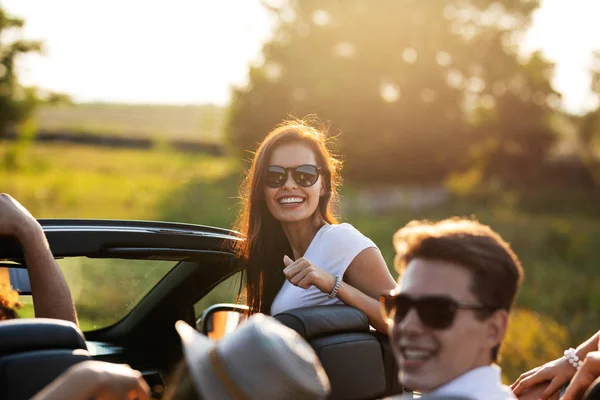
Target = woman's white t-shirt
(333,248)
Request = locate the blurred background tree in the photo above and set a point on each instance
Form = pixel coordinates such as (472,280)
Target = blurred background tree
(16,102)
(419,90)
(589,126)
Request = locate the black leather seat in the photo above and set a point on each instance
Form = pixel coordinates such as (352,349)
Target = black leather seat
(358,361)
(33,352)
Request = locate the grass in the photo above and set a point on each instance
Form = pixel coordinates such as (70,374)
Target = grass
(70,181)
(26,311)
(558,303)
(196,123)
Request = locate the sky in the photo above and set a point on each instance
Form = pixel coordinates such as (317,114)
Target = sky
(94,52)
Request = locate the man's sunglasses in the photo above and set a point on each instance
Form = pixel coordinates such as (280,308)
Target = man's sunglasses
(437,312)
(304,175)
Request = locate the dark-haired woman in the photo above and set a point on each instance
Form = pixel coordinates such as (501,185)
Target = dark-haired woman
(296,253)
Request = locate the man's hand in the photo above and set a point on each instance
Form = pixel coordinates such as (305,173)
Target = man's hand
(98,380)
(15,220)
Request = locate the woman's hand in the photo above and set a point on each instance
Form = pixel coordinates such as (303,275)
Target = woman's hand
(585,376)
(556,373)
(304,274)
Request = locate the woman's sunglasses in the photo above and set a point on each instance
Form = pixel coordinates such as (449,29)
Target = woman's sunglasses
(304,175)
(437,312)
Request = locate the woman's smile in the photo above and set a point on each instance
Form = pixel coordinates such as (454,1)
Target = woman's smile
(290,201)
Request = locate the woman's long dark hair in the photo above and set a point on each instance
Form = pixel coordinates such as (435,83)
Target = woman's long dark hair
(266,243)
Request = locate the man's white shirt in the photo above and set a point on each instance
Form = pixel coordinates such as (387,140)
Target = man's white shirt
(483,383)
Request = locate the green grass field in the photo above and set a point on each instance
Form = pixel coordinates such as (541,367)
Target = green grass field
(70,181)
(196,123)
(558,303)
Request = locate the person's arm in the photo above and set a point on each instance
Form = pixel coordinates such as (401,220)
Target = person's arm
(366,278)
(99,380)
(51,295)
(556,372)
(585,376)
(592,344)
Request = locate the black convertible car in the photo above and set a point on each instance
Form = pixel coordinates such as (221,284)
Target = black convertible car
(132,280)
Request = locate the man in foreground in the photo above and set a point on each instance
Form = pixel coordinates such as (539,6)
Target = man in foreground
(448,317)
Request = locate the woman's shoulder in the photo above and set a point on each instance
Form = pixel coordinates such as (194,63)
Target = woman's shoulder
(342,228)
(343,232)
(342,242)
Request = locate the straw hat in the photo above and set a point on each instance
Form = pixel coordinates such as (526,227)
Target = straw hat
(262,359)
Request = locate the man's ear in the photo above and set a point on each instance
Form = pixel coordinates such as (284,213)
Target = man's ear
(497,324)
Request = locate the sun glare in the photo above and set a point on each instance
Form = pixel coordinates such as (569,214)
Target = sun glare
(189,52)
(182,52)
(567,32)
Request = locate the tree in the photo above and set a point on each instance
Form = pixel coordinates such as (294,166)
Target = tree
(411,85)
(16,101)
(511,132)
(589,125)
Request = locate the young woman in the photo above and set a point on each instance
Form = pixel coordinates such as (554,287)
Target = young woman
(295,251)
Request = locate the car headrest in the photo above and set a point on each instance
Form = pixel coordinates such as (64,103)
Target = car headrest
(314,321)
(21,335)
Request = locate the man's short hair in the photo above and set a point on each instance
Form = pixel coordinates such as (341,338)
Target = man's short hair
(496,270)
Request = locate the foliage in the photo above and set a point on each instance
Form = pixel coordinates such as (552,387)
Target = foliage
(531,340)
(16,157)
(194,202)
(415,87)
(70,181)
(589,126)
(16,101)
(512,134)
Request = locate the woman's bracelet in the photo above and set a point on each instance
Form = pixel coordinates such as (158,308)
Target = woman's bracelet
(336,286)
(572,358)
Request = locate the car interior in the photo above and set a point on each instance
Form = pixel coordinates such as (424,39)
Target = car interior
(356,358)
